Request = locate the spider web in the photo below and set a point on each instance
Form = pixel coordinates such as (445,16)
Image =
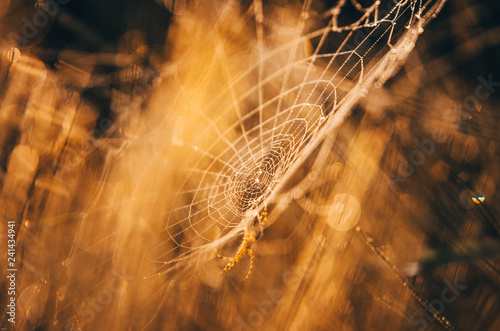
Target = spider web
(256,108)
(237,145)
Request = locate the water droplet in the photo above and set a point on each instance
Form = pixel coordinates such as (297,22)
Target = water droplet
(14,54)
(478,198)
(344,212)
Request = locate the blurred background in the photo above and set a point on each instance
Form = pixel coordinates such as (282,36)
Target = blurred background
(112,114)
